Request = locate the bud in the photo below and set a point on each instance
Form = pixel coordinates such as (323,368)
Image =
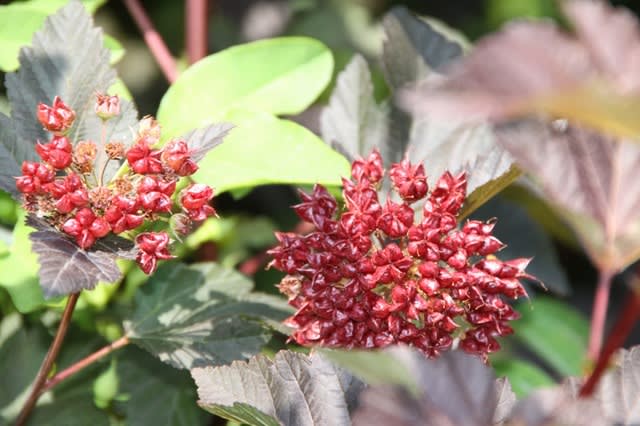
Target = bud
(176,156)
(195,201)
(57,153)
(152,246)
(107,106)
(86,227)
(57,118)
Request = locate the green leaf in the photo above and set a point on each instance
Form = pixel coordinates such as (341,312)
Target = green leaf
(201,315)
(555,332)
(72,402)
(21,279)
(21,352)
(292,389)
(523,376)
(264,149)
(20,20)
(156,393)
(353,123)
(277,76)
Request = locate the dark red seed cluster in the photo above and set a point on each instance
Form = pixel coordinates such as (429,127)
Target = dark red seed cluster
(380,273)
(67,187)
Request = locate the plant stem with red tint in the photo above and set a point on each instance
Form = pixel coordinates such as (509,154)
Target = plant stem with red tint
(196,32)
(599,314)
(49,359)
(85,362)
(154,41)
(619,334)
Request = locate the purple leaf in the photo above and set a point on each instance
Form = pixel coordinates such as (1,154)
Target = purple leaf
(506,400)
(592,77)
(10,160)
(353,123)
(66,268)
(413,48)
(293,389)
(455,389)
(73,65)
(559,405)
(619,391)
(203,140)
(590,178)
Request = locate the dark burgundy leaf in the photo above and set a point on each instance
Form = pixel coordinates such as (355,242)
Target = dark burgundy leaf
(618,394)
(353,123)
(203,140)
(73,65)
(592,77)
(413,47)
(557,406)
(10,160)
(590,178)
(66,268)
(293,389)
(455,389)
(506,400)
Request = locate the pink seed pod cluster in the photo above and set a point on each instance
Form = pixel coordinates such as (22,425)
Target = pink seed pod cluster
(67,189)
(374,273)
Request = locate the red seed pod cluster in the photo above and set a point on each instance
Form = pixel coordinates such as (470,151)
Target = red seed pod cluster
(381,273)
(67,188)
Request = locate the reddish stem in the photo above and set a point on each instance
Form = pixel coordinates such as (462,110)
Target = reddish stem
(196,31)
(619,334)
(49,359)
(153,39)
(85,362)
(599,314)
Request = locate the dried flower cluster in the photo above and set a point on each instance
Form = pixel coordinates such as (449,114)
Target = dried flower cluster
(377,274)
(67,188)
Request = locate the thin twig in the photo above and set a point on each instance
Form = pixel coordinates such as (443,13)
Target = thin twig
(621,330)
(153,39)
(49,359)
(196,31)
(85,362)
(599,314)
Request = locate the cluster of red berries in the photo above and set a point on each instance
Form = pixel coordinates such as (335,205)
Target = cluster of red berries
(67,187)
(378,273)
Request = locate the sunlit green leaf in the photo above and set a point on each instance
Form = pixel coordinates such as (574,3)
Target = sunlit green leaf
(276,76)
(263,149)
(20,20)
